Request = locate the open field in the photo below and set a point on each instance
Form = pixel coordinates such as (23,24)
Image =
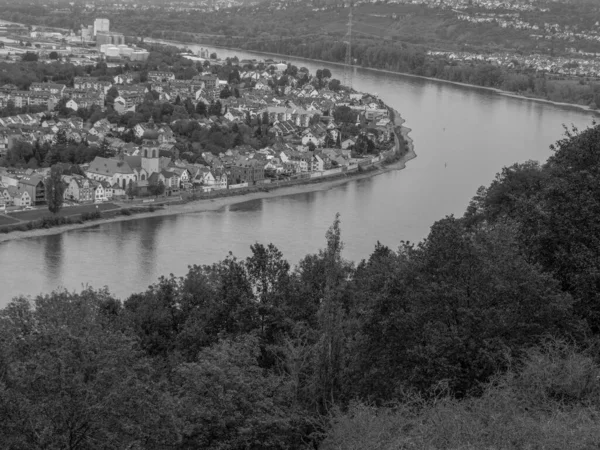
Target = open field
(7,220)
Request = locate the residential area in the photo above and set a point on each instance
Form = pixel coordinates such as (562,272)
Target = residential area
(125,140)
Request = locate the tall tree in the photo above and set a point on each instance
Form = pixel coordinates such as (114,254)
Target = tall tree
(55,190)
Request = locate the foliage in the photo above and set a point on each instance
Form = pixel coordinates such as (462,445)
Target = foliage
(70,380)
(516,410)
(556,208)
(55,190)
(157,188)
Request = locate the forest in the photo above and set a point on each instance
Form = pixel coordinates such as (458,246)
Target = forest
(483,335)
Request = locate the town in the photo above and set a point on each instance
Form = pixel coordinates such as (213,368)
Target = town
(196,127)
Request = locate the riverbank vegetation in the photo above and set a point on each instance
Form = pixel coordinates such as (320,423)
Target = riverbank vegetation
(483,335)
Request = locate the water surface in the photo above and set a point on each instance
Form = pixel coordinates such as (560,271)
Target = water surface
(463,136)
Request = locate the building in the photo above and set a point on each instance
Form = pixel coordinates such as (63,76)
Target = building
(101,26)
(79,189)
(161,76)
(110,38)
(248,171)
(35,188)
(87,33)
(114,171)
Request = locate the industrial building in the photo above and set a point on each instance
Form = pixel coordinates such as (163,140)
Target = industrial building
(101,26)
(109,38)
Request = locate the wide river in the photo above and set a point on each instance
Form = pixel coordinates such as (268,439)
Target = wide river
(463,136)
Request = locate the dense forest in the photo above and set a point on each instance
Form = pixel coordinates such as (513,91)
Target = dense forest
(483,335)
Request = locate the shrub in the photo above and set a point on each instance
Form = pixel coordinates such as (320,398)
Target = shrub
(94,215)
(125,212)
(49,222)
(551,403)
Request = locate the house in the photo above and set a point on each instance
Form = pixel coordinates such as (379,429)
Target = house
(52,88)
(4,141)
(72,104)
(78,189)
(34,186)
(99,195)
(184,176)
(249,171)
(348,143)
(160,76)
(210,81)
(284,128)
(141,128)
(108,190)
(317,163)
(169,179)
(126,102)
(19,197)
(125,78)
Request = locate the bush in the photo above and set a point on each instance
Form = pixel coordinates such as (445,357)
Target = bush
(552,403)
(125,212)
(91,216)
(49,222)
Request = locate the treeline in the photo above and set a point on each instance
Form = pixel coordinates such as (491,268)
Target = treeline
(483,335)
(414,60)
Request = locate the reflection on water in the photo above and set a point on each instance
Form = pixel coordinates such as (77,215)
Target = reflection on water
(53,259)
(463,137)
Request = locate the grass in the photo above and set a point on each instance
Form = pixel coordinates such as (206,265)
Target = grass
(7,220)
(38,214)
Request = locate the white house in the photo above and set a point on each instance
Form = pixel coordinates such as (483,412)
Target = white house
(72,104)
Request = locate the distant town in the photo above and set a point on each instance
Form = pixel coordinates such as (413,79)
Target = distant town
(147,134)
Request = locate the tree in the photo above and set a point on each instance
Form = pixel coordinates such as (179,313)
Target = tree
(55,189)
(226,400)
(213,55)
(335,85)
(131,189)
(326,73)
(112,93)
(268,274)
(201,108)
(53,55)
(451,309)
(72,379)
(215,108)
(30,56)
(157,189)
(225,92)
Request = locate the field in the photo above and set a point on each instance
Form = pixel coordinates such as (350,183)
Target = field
(6,220)
(65,212)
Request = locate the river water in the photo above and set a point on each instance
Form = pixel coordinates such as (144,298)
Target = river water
(463,136)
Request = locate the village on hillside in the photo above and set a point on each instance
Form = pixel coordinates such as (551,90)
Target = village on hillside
(127,138)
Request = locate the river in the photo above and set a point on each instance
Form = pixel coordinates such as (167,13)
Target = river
(463,136)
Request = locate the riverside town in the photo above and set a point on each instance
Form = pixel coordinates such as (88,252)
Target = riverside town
(123,133)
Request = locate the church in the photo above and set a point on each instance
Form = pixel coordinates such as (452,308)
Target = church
(125,169)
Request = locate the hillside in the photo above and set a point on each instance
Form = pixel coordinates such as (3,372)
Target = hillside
(483,335)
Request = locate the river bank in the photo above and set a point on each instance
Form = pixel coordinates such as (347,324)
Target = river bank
(441,80)
(206,205)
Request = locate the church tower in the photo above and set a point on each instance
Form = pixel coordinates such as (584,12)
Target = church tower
(150,158)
